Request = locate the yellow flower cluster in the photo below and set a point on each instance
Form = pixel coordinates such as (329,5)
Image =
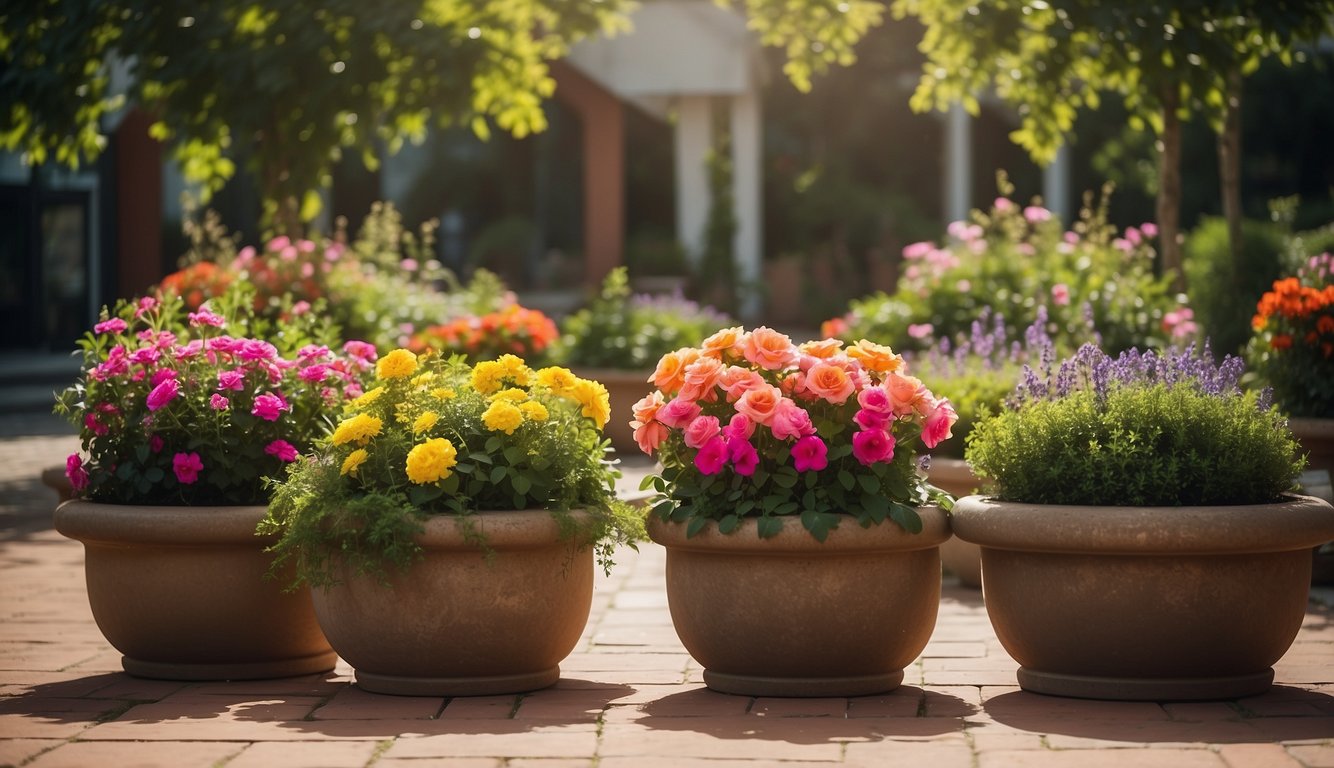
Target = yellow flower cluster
(425,422)
(430,461)
(398,364)
(359,429)
(489,376)
(354,459)
(593,400)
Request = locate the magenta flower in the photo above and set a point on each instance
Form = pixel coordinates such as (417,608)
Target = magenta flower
(233,379)
(187,467)
(78,476)
(361,350)
(162,394)
(268,407)
(873,445)
(744,457)
(678,412)
(114,325)
(809,454)
(146,304)
(161,375)
(146,356)
(155,443)
(712,457)
(255,349)
(314,373)
(206,317)
(739,428)
(868,419)
(94,425)
(218,402)
(282,449)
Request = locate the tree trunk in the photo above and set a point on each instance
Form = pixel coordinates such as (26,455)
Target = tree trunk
(1169,189)
(1229,167)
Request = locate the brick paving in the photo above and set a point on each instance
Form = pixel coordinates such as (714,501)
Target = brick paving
(630,696)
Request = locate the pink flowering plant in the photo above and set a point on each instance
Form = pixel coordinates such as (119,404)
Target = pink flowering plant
(752,425)
(186,407)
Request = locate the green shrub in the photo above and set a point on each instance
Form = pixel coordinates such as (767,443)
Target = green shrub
(1220,290)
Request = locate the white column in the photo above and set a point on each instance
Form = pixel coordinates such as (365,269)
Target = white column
(958,163)
(694,138)
(1056,184)
(747,172)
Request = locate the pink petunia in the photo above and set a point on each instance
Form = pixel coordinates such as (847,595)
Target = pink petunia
(155,443)
(94,425)
(74,471)
(233,380)
(360,350)
(744,457)
(256,349)
(114,325)
(207,317)
(939,420)
(218,402)
(163,393)
(712,457)
(187,467)
(269,406)
(701,430)
(146,304)
(809,454)
(313,373)
(161,375)
(146,356)
(282,449)
(870,446)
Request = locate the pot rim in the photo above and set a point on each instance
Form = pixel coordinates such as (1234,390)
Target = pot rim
(102,522)
(1297,522)
(849,536)
(500,529)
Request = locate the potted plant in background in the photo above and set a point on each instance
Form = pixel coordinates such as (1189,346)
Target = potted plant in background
(619,337)
(180,423)
(801,536)
(449,522)
(1141,542)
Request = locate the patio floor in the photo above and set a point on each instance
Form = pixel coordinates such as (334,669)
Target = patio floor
(629,696)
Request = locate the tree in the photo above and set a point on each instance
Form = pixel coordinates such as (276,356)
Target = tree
(281,86)
(1049,59)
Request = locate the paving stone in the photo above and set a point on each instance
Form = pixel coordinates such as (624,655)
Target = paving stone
(814,707)
(16,751)
(81,754)
(1110,758)
(1313,755)
(305,754)
(352,703)
(937,754)
(502,739)
(1257,756)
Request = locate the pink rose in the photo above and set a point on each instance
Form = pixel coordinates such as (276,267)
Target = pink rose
(791,420)
(218,402)
(700,378)
(809,454)
(161,375)
(867,419)
(233,380)
(769,349)
(206,317)
(875,399)
(313,373)
(187,467)
(360,350)
(678,412)
(155,443)
(114,325)
(94,425)
(739,428)
(162,394)
(873,445)
(649,435)
(268,407)
(1060,294)
(255,349)
(744,457)
(736,381)
(939,421)
(146,356)
(712,457)
(701,430)
(282,449)
(78,476)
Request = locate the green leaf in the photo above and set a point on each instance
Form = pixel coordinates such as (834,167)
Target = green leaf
(869,483)
(785,478)
(907,518)
(729,523)
(522,484)
(481,457)
(846,479)
(769,527)
(695,526)
(497,474)
(647,482)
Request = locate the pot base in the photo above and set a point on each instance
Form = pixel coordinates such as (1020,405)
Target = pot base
(251,670)
(399,685)
(1145,689)
(807,687)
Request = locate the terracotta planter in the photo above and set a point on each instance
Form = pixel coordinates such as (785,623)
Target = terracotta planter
(457,623)
(790,616)
(1145,603)
(959,557)
(180,591)
(625,388)
(1317,439)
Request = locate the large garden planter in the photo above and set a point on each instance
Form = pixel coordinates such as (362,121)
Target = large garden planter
(1145,603)
(1317,440)
(791,616)
(182,593)
(460,623)
(959,557)
(624,389)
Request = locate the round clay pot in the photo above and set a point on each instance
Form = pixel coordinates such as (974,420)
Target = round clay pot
(624,389)
(1317,440)
(458,622)
(791,616)
(959,557)
(1145,603)
(182,593)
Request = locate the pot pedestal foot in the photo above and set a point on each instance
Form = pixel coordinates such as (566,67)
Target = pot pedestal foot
(1145,689)
(805,687)
(250,670)
(398,685)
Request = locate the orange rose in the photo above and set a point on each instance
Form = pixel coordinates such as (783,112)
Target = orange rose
(875,357)
(760,404)
(728,340)
(700,377)
(648,406)
(829,382)
(669,376)
(823,349)
(769,349)
(905,392)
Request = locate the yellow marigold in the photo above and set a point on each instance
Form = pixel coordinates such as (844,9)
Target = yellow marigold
(443,393)
(557,379)
(368,398)
(354,459)
(398,364)
(516,370)
(513,394)
(487,376)
(503,416)
(534,410)
(425,422)
(430,461)
(358,429)
(593,399)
